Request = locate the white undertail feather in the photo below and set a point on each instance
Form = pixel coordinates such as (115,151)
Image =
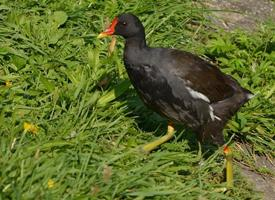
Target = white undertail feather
(250,96)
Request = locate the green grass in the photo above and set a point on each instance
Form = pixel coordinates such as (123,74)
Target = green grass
(88,133)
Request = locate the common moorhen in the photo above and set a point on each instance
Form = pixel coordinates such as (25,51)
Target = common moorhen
(178,85)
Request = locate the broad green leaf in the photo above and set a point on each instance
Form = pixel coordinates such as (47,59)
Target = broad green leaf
(93,98)
(114,93)
(47,84)
(93,58)
(10,50)
(56,35)
(58,18)
(9,77)
(18,61)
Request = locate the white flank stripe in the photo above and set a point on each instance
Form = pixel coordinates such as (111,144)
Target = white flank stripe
(212,115)
(197,95)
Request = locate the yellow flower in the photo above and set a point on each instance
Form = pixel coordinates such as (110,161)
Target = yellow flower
(51,183)
(30,127)
(8,83)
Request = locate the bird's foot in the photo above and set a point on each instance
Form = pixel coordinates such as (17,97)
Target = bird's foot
(155,144)
(229,166)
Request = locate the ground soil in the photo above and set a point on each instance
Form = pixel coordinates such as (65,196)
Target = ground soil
(263,182)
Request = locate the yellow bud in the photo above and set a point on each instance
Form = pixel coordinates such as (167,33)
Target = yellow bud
(8,83)
(51,183)
(30,127)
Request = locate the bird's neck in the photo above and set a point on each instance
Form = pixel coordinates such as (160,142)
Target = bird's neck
(134,52)
(137,42)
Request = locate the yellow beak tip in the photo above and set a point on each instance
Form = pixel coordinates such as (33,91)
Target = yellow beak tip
(102,35)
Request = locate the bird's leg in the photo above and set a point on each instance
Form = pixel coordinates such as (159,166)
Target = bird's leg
(229,166)
(153,145)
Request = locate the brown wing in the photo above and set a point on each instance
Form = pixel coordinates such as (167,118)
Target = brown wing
(202,76)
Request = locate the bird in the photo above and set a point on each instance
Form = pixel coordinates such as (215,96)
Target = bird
(180,86)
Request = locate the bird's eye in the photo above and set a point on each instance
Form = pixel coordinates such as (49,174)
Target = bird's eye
(124,23)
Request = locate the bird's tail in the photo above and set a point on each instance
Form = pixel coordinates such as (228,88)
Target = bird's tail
(249,95)
(224,110)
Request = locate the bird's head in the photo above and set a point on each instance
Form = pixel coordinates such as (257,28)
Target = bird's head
(127,25)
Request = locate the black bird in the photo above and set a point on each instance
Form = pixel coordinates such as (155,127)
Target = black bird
(178,85)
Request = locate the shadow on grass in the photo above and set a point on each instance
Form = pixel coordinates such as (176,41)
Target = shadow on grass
(149,121)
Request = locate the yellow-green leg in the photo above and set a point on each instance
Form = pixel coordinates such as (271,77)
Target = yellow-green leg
(229,167)
(153,145)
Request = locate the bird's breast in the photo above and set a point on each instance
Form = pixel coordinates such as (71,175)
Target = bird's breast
(146,79)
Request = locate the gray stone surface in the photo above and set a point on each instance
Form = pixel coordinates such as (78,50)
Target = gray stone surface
(245,14)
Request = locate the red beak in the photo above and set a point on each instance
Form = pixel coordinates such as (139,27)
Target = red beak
(110,30)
